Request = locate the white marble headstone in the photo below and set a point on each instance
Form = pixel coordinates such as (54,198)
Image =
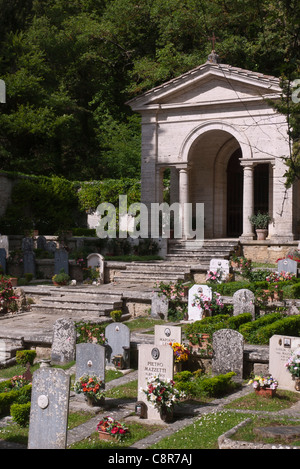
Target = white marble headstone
(195,313)
(280,349)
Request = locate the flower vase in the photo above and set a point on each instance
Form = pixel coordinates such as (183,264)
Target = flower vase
(265,392)
(93,402)
(297,384)
(166,414)
(177,367)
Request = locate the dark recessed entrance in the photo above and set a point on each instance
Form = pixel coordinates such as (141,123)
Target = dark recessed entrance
(261,188)
(235,195)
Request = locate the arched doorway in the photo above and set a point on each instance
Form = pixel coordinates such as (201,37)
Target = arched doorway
(234,195)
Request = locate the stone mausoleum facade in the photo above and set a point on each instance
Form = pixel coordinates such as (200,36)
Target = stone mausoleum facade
(223,142)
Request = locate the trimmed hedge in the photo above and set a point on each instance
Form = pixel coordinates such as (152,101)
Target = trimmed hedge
(21,413)
(221,321)
(284,326)
(19,396)
(196,386)
(250,329)
(25,356)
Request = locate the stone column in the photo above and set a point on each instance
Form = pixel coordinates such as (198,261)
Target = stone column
(184,198)
(248,202)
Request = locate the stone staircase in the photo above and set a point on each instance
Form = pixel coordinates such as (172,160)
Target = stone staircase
(89,302)
(151,273)
(193,252)
(8,348)
(183,256)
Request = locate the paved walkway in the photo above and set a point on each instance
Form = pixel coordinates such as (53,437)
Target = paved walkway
(120,409)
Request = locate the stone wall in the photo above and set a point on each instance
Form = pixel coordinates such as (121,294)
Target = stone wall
(267,251)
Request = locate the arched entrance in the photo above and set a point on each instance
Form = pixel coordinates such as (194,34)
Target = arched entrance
(234,195)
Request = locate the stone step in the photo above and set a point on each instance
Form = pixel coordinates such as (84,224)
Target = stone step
(166,267)
(8,349)
(81,309)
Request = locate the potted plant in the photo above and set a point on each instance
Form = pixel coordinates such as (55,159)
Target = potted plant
(162,395)
(92,387)
(62,278)
(260,221)
(293,366)
(109,429)
(264,385)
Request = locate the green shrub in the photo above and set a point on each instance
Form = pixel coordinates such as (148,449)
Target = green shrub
(20,396)
(249,329)
(285,326)
(235,322)
(20,413)
(295,290)
(217,385)
(25,356)
(116,315)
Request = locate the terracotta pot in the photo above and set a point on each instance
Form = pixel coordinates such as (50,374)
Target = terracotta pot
(265,392)
(105,436)
(261,234)
(14,281)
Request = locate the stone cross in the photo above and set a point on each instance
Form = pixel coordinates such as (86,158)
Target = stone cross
(49,409)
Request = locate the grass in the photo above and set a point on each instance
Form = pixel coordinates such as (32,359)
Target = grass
(282,400)
(248,432)
(143,323)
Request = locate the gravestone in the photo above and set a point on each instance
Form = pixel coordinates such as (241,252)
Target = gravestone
(63,341)
(29,262)
(49,409)
(27,244)
(41,243)
(154,361)
(244,302)
(118,342)
(287,265)
(4,244)
(164,335)
(220,264)
(51,247)
(228,352)
(90,360)
(280,349)
(194,312)
(61,261)
(3,260)
(159,306)
(95,260)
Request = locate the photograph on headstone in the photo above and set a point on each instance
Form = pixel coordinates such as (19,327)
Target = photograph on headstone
(63,341)
(49,409)
(118,345)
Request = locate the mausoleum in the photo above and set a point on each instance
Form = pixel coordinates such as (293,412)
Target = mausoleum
(216,130)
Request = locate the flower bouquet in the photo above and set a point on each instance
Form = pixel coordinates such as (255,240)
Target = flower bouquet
(92,387)
(293,366)
(163,396)
(264,385)
(181,353)
(214,276)
(19,381)
(108,429)
(209,306)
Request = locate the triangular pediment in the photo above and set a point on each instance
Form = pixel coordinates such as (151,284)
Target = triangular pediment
(209,84)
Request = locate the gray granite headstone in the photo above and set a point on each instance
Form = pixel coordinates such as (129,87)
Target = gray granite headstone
(228,352)
(287,265)
(27,244)
(51,247)
(41,243)
(61,261)
(90,360)
(63,342)
(4,244)
(29,262)
(3,260)
(49,409)
(244,302)
(159,306)
(118,342)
